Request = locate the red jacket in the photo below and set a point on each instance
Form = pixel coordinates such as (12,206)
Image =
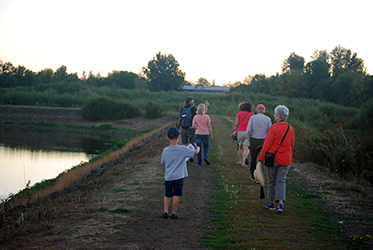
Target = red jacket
(275,133)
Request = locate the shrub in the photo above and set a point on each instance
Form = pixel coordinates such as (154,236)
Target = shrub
(153,110)
(105,109)
(366,116)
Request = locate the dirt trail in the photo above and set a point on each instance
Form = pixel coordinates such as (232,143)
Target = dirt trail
(121,209)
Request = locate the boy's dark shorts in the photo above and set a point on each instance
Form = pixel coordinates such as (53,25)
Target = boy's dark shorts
(187,135)
(174,188)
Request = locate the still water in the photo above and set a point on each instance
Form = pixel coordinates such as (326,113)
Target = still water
(38,155)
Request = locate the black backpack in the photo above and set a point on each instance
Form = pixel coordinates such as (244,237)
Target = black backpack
(186,117)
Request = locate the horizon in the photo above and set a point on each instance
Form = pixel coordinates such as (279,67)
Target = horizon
(209,39)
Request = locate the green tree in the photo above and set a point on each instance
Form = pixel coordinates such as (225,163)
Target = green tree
(122,79)
(293,84)
(342,60)
(24,76)
(84,75)
(203,82)
(317,75)
(45,75)
(293,62)
(60,74)
(349,89)
(7,72)
(163,73)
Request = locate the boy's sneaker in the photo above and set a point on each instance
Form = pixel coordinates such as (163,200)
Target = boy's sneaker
(270,206)
(280,208)
(164,215)
(207,162)
(174,216)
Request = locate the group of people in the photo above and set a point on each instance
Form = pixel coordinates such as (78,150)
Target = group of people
(255,134)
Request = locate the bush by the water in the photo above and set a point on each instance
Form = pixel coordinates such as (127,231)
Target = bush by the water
(105,109)
(153,110)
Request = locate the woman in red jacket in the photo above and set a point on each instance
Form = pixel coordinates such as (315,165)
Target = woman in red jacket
(283,159)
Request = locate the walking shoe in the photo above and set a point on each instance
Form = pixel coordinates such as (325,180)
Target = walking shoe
(207,162)
(270,206)
(174,216)
(280,208)
(164,215)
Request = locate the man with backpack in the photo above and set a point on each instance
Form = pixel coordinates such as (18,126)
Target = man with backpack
(185,121)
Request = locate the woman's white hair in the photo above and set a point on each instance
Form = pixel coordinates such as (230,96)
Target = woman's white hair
(282,111)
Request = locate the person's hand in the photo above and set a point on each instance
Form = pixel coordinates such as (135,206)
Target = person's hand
(207,103)
(197,150)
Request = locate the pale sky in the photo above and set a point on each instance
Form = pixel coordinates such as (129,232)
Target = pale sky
(221,40)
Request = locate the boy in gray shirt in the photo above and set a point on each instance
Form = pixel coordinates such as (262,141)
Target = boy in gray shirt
(175,157)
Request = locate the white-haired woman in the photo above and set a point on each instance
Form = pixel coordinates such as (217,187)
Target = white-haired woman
(202,124)
(279,140)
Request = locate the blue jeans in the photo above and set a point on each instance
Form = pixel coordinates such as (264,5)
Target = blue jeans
(202,139)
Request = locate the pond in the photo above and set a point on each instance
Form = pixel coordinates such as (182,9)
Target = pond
(32,156)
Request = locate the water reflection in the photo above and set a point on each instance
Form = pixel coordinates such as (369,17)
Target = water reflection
(39,155)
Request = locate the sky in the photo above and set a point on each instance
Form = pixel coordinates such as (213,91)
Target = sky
(224,41)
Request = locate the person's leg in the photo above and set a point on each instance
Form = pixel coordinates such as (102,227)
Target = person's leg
(166,204)
(246,145)
(239,153)
(177,192)
(245,155)
(192,137)
(254,149)
(206,145)
(175,204)
(199,144)
(167,196)
(184,136)
(281,183)
(272,172)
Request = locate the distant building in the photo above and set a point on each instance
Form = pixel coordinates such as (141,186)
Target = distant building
(205,89)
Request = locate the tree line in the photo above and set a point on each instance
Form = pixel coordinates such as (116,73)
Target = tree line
(338,77)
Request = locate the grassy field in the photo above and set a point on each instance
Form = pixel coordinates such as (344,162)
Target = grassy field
(240,220)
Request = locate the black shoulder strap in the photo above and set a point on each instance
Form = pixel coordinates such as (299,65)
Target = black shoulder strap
(283,138)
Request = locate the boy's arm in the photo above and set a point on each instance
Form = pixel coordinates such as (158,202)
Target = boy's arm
(197,150)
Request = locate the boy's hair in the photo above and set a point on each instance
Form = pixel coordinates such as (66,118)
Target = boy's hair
(173,133)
